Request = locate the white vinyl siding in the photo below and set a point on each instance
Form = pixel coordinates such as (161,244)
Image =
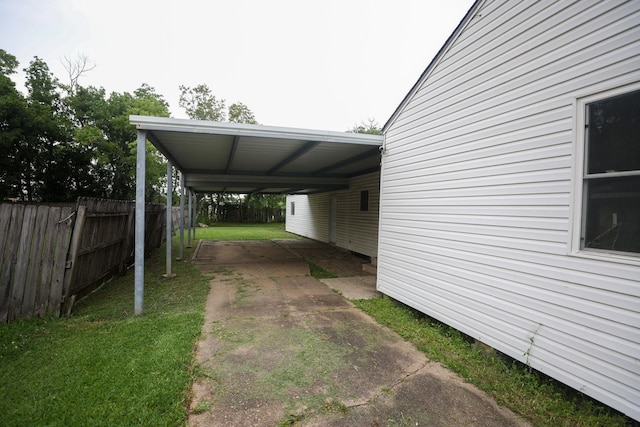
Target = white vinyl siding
(356,231)
(478,185)
(311,218)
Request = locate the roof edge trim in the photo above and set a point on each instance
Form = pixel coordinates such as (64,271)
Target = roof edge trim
(467,17)
(260,131)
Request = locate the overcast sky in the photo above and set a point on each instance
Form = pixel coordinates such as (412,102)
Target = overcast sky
(326,64)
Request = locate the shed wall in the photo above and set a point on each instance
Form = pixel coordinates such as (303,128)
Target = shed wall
(311,218)
(358,230)
(477,194)
(355,230)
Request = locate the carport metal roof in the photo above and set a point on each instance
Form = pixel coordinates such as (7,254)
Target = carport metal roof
(242,158)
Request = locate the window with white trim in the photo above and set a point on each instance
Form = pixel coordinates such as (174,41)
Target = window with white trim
(611,174)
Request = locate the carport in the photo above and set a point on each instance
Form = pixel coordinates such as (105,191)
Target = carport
(244,159)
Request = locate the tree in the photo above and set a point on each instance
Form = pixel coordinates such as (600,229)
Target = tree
(46,136)
(104,131)
(90,116)
(264,208)
(12,113)
(371,128)
(43,161)
(147,102)
(240,113)
(57,147)
(8,63)
(200,103)
(75,69)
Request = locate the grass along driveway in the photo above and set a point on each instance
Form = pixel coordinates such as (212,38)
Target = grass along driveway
(103,366)
(536,397)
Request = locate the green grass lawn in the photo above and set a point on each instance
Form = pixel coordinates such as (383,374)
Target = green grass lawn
(103,366)
(244,231)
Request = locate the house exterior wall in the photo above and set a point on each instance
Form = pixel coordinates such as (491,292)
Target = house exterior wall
(480,191)
(355,230)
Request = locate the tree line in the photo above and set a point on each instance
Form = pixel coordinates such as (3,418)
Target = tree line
(60,141)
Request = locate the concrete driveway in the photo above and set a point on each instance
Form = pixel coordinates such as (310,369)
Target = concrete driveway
(281,348)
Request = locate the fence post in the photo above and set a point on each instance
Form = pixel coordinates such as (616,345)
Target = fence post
(127,239)
(63,230)
(72,258)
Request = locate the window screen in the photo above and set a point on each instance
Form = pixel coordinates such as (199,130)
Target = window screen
(612,174)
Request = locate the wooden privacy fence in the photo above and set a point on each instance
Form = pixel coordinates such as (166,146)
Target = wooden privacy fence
(52,255)
(33,256)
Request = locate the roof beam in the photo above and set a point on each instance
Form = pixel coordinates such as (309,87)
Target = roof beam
(257,190)
(352,159)
(232,154)
(222,180)
(365,171)
(294,190)
(283,190)
(293,156)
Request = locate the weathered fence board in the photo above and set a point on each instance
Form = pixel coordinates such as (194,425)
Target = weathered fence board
(29,259)
(22,262)
(48,252)
(62,237)
(7,254)
(51,255)
(35,260)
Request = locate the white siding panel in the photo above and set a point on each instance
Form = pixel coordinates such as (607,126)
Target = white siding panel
(355,230)
(358,231)
(477,190)
(311,217)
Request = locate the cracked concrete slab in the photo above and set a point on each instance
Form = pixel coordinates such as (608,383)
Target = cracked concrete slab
(281,348)
(359,287)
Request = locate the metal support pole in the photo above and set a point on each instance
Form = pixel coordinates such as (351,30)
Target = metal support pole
(194,221)
(169,218)
(182,193)
(139,227)
(189,219)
